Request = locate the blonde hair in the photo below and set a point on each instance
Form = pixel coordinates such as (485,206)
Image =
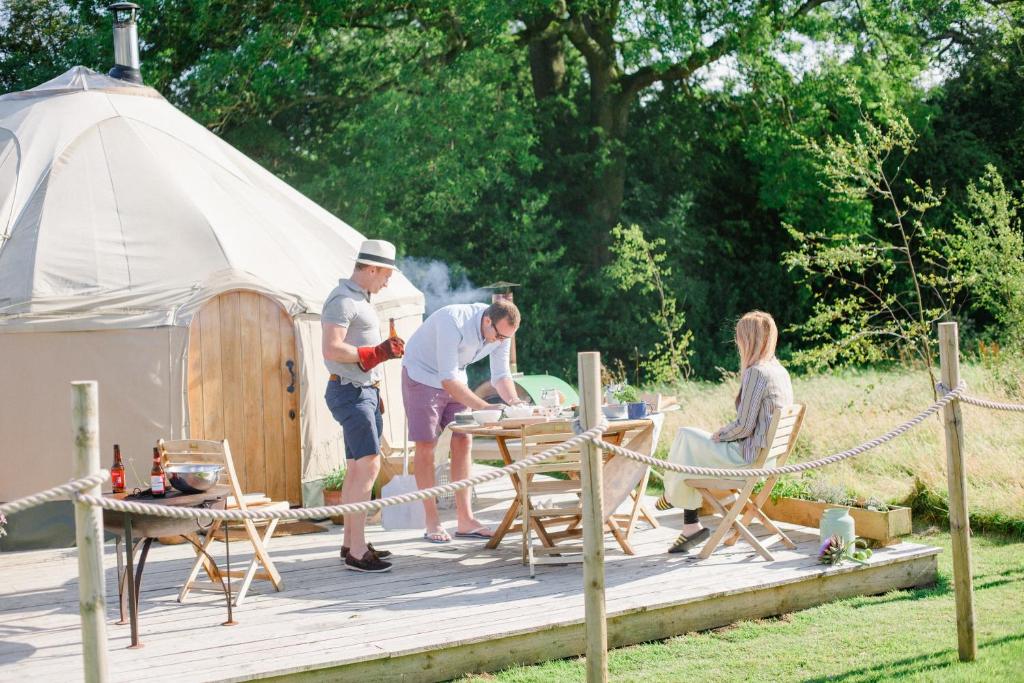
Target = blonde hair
(756,337)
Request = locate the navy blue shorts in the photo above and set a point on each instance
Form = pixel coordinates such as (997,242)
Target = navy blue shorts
(357,410)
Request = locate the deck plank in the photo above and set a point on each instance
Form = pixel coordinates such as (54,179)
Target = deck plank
(455,603)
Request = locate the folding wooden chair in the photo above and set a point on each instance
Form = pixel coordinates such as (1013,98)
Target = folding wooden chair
(555,521)
(187,451)
(736,493)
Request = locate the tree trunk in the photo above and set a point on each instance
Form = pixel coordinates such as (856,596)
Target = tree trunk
(547,67)
(610,116)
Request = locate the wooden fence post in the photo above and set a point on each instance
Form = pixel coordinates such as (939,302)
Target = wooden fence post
(89,534)
(589,369)
(956,473)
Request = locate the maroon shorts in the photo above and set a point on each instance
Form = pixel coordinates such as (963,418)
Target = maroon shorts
(428,409)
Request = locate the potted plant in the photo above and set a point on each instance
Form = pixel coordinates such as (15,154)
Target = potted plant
(802,501)
(628,395)
(332,491)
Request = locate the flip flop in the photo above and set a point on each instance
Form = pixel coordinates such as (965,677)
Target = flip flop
(437,536)
(476,533)
(684,543)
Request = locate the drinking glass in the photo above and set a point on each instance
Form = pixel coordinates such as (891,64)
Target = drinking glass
(550,402)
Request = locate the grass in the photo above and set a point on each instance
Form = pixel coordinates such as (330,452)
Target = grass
(910,635)
(846,409)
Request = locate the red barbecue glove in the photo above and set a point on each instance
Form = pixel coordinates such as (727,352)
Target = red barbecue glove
(372,356)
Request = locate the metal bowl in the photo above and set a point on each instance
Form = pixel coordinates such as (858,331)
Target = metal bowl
(193,478)
(614,412)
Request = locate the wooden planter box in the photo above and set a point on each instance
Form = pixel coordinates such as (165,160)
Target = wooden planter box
(884,527)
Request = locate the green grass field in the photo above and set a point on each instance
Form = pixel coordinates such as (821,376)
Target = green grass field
(906,635)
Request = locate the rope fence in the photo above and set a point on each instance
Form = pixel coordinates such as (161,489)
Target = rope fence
(72,489)
(752,473)
(332,510)
(89,523)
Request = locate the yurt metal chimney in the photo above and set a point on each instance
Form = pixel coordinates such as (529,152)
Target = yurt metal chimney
(503,291)
(126,42)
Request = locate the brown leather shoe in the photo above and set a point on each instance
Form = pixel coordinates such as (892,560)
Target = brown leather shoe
(369,563)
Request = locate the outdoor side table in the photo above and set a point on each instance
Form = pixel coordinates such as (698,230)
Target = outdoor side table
(143,529)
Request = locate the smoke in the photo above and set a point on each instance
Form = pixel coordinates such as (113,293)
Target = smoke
(435,280)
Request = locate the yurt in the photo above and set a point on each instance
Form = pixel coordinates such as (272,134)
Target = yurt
(140,250)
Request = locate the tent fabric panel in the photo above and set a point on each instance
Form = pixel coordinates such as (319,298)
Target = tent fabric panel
(139,381)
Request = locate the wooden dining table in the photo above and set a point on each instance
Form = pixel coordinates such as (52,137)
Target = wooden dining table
(622,477)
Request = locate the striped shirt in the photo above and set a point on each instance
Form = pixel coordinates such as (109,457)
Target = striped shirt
(764,388)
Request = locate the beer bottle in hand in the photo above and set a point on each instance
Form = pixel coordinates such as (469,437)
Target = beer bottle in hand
(394,331)
(117,472)
(157,483)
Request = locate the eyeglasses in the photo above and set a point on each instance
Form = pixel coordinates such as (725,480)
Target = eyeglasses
(499,335)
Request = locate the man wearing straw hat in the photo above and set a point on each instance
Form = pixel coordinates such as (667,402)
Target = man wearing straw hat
(353,350)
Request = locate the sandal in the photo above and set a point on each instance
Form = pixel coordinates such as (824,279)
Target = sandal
(476,533)
(684,543)
(440,536)
(662,504)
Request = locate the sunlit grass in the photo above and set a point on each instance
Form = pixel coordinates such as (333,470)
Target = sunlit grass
(906,635)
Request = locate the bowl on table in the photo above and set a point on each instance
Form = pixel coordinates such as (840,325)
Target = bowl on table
(464,418)
(614,412)
(483,417)
(193,478)
(518,412)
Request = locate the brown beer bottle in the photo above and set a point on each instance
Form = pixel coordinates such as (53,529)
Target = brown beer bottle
(394,330)
(117,472)
(157,483)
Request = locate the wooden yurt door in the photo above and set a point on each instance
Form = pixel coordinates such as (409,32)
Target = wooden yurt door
(243,385)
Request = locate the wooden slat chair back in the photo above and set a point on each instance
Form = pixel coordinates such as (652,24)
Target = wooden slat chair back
(557,522)
(737,494)
(199,451)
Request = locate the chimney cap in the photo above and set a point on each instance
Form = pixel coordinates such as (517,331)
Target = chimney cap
(501,285)
(123,5)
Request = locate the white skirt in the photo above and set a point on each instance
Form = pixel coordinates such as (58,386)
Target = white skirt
(694,447)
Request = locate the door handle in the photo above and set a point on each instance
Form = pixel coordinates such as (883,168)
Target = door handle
(291,370)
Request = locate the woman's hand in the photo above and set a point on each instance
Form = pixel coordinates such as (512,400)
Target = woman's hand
(716,437)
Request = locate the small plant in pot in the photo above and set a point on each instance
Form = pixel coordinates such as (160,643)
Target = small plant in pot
(628,396)
(332,491)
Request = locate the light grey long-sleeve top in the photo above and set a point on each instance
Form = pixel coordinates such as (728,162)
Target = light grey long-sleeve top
(764,388)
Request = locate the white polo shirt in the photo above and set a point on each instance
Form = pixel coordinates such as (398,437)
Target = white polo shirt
(448,341)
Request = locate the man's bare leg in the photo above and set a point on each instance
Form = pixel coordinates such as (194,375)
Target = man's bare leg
(423,461)
(358,484)
(462,444)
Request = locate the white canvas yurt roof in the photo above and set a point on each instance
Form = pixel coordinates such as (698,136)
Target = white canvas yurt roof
(120,219)
(118,210)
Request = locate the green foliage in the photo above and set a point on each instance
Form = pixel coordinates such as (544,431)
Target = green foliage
(508,139)
(627,393)
(987,254)
(885,279)
(639,269)
(334,480)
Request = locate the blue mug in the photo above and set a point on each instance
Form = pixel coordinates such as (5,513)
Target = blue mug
(637,410)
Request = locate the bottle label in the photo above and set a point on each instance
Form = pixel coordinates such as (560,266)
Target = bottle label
(117,480)
(156,483)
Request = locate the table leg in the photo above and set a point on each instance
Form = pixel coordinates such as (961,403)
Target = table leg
(227,562)
(133,598)
(121,599)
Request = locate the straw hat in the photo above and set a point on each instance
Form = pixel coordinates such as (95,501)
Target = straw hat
(377,253)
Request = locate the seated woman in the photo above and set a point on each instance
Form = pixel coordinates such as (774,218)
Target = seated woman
(764,388)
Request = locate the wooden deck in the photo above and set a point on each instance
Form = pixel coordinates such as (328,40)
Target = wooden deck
(443,610)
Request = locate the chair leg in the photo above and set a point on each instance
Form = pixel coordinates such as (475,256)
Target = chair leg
(620,536)
(254,565)
(261,555)
(202,562)
(728,520)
